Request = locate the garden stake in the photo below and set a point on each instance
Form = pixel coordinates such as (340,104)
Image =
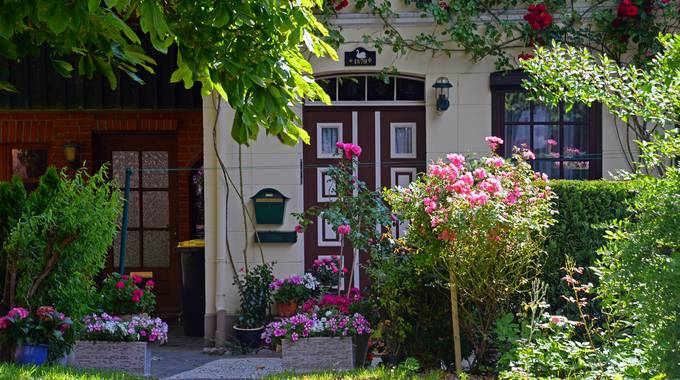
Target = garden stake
(123,232)
(455,323)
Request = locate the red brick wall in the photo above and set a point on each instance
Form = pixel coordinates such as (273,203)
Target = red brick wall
(52,129)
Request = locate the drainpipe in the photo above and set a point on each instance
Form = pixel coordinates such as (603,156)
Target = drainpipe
(211,179)
(222,274)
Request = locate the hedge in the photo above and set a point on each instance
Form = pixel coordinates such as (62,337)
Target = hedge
(585,208)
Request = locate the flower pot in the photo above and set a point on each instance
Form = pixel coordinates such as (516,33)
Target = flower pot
(361,349)
(31,354)
(249,337)
(286,309)
(318,354)
(132,357)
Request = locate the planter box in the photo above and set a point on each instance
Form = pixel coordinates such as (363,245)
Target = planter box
(318,354)
(131,357)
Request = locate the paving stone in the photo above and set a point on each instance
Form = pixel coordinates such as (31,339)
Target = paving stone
(233,368)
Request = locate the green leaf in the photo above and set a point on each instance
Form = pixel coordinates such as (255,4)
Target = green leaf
(6,86)
(93,5)
(59,18)
(62,67)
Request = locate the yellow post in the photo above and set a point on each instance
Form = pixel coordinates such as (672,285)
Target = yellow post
(455,323)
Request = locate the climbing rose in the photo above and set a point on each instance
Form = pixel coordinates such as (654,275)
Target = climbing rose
(525,56)
(493,142)
(538,17)
(298,229)
(344,229)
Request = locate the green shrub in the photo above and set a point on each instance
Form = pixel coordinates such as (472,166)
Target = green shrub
(584,207)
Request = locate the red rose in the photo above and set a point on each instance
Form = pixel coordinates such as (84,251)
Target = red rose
(631,11)
(525,56)
(546,18)
(540,8)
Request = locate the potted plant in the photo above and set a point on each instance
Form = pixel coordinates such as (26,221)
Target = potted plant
(291,292)
(124,295)
(255,299)
(111,343)
(34,334)
(318,342)
(329,273)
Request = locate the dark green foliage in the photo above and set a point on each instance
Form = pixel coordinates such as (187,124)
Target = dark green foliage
(585,208)
(12,204)
(255,296)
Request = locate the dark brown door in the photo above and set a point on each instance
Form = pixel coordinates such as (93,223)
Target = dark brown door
(393,151)
(151,218)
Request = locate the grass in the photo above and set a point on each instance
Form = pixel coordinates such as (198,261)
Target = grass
(379,373)
(15,372)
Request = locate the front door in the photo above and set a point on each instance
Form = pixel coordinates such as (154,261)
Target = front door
(393,151)
(151,218)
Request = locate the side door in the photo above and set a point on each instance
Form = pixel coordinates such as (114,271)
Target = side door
(151,218)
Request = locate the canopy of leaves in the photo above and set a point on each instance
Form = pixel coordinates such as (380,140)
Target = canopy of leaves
(250,52)
(575,75)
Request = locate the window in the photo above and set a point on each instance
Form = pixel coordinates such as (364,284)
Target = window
(403,140)
(566,142)
(327,135)
(372,88)
(28,164)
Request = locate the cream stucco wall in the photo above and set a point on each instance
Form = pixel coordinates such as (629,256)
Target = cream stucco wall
(269,163)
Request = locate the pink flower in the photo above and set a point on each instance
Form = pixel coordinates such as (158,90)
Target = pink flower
(4,323)
(150,284)
(551,142)
(120,284)
(528,155)
(495,161)
(456,160)
(479,173)
(467,178)
(340,145)
(18,312)
(124,277)
(356,150)
(344,229)
(344,270)
(477,198)
(136,279)
(298,229)
(493,142)
(142,332)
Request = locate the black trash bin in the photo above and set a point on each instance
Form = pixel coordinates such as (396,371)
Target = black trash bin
(193,289)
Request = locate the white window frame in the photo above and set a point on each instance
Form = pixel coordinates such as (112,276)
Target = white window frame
(393,140)
(321,186)
(319,138)
(319,232)
(394,171)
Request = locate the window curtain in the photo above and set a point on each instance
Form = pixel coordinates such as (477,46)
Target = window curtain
(329,136)
(403,140)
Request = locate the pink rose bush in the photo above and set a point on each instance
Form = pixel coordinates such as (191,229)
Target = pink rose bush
(484,220)
(306,326)
(141,328)
(123,294)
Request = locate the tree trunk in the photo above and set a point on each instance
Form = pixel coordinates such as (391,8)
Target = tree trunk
(455,322)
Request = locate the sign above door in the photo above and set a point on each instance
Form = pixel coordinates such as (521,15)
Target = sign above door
(360,57)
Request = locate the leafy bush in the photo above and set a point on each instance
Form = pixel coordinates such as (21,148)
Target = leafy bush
(584,208)
(255,296)
(60,242)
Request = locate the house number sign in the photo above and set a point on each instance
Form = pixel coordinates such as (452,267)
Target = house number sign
(359,57)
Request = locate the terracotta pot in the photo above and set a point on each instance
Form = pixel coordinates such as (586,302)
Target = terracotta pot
(286,309)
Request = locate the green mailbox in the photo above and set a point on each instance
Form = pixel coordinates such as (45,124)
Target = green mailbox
(269,206)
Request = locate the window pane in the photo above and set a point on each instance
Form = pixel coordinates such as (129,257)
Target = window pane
(379,90)
(29,163)
(551,168)
(410,89)
(516,135)
(517,107)
(133,210)
(156,249)
(156,214)
(545,113)
(403,140)
(329,136)
(131,250)
(352,88)
(546,139)
(575,141)
(578,114)
(328,86)
(122,160)
(576,169)
(155,163)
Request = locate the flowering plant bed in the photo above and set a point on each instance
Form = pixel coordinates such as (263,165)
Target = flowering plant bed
(330,324)
(123,294)
(111,343)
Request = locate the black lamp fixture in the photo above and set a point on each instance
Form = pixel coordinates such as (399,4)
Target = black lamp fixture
(442,86)
(71,150)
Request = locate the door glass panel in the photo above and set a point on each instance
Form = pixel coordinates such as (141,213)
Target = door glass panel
(156,249)
(516,135)
(155,178)
(403,140)
(329,136)
(133,210)
(120,161)
(377,89)
(156,213)
(131,252)
(517,107)
(546,138)
(352,88)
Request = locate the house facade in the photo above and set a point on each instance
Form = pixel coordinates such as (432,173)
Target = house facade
(400,129)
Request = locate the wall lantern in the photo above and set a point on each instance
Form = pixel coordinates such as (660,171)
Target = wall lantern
(71,153)
(441,87)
